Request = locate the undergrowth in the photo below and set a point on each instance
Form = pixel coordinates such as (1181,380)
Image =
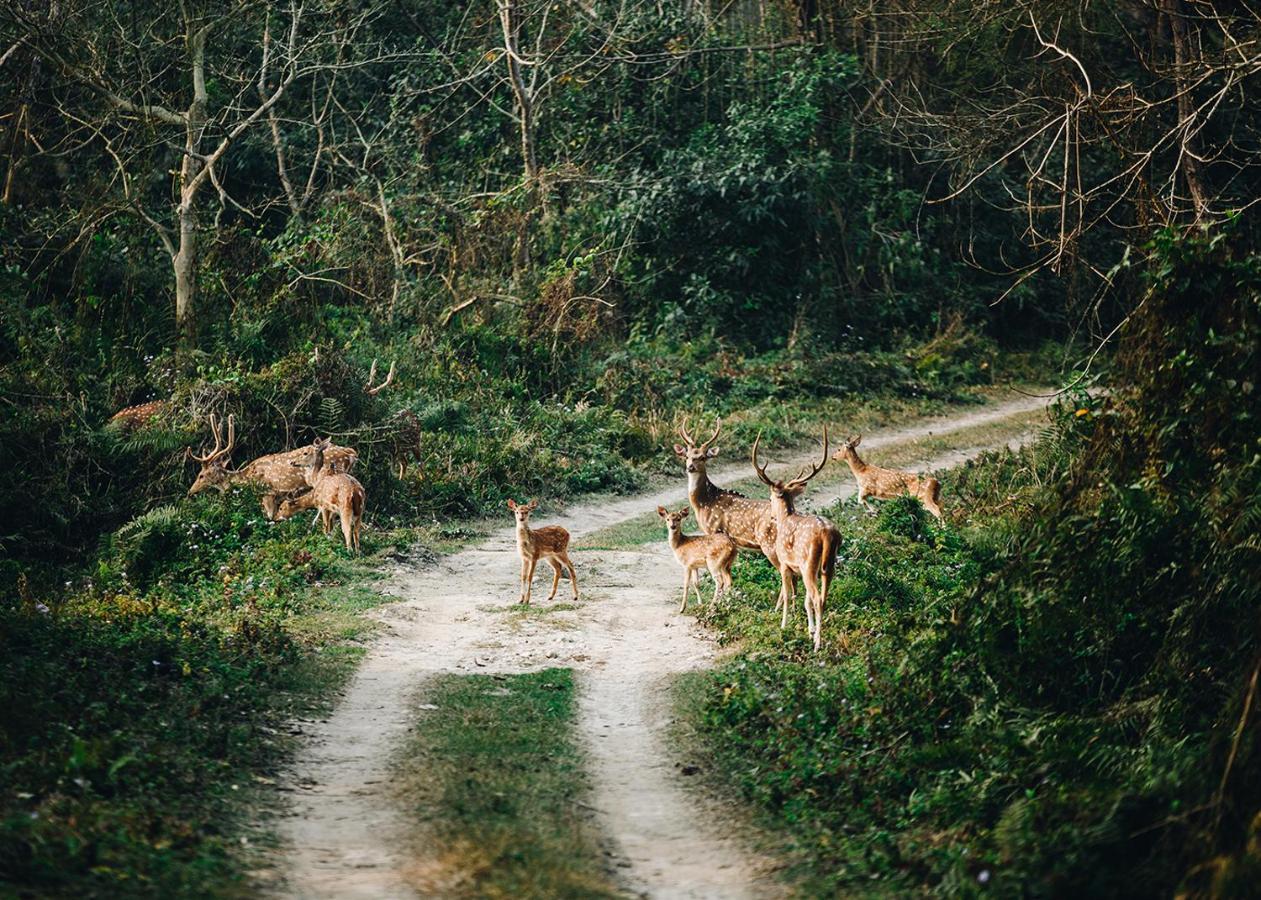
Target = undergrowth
(1054,692)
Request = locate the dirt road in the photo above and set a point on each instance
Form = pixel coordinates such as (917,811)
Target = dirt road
(346,837)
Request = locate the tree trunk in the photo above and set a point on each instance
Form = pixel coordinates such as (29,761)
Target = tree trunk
(1182,50)
(184,263)
(525,112)
(185,259)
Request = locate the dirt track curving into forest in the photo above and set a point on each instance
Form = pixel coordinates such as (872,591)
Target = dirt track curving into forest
(346,836)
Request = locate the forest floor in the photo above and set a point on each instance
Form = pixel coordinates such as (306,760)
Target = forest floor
(348,832)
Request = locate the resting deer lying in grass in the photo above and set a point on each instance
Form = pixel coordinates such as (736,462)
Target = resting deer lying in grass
(132,418)
(885,484)
(749,523)
(716,552)
(551,542)
(332,491)
(274,472)
(805,545)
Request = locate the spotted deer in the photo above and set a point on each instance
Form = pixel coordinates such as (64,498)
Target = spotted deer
(716,552)
(274,472)
(132,418)
(885,484)
(748,522)
(551,542)
(332,491)
(805,545)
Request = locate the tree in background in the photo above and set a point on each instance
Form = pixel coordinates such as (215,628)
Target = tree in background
(163,94)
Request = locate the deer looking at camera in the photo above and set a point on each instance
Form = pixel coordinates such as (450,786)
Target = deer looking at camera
(551,542)
(716,552)
(274,472)
(805,545)
(885,484)
(332,491)
(749,523)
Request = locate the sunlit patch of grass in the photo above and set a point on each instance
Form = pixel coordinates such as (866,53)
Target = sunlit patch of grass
(627,535)
(495,779)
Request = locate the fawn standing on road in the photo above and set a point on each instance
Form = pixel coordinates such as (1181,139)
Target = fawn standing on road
(551,542)
(885,484)
(716,552)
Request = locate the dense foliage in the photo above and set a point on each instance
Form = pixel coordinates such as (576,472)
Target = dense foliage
(1058,698)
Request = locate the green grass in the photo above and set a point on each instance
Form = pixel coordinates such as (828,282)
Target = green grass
(495,776)
(812,740)
(145,707)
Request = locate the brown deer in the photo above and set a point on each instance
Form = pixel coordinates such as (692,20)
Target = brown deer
(805,545)
(332,491)
(885,484)
(274,472)
(132,418)
(551,542)
(716,552)
(748,522)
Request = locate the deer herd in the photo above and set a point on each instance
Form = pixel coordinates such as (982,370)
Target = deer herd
(797,545)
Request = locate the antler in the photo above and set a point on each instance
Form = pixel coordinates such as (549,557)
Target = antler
(713,437)
(802,477)
(372,374)
(683,433)
(220,449)
(761,470)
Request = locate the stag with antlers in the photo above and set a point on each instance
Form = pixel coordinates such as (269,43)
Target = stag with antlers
(805,545)
(748,522)
(274,472)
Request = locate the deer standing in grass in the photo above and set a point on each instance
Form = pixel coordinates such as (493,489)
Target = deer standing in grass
(551,542)
(332,491)
(748,522)
(804,545)
(716,552)
(885,484)
(274,472)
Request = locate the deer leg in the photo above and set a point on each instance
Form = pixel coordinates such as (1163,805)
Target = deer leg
(687,582)
(787,593)
(809,604)
(696,584)
(529,580)
(555,577)
(816,606)
(573,574)
(716,573)
(521,580)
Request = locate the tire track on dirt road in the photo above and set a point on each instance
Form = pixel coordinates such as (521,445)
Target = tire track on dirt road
(346,836)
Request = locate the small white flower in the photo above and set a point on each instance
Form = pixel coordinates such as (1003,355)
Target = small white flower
(41,608)
(983,876)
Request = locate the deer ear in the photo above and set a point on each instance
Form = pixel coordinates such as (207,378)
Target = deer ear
(680,450)
(661,511)
(512,504)
(533,504)
(858,440)
(685,512)
(711,452)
